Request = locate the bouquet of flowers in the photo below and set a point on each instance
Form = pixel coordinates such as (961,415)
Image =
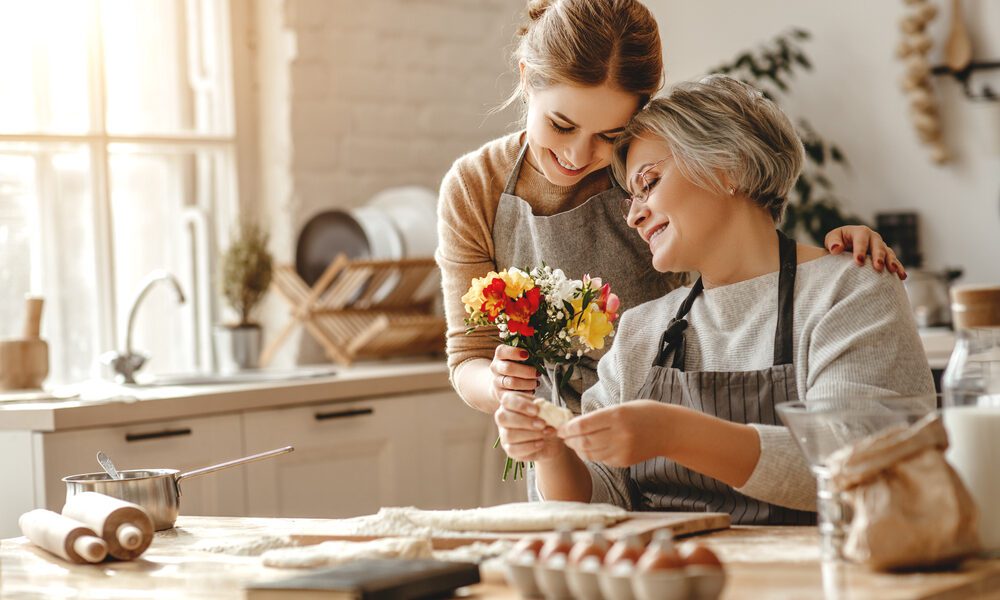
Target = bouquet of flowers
(556,319)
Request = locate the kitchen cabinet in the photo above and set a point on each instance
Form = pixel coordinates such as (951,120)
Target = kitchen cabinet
(183,444)
(353,458)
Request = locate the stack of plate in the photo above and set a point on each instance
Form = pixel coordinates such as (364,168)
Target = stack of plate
(396,223)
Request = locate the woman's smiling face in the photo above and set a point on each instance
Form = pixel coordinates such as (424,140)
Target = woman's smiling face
(571,129)
(677,219)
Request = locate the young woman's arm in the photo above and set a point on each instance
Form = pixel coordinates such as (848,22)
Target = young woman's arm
(861,240)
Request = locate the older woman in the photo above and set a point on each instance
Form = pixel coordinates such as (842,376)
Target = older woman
(683,417)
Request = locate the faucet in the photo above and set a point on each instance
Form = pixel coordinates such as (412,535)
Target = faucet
(126,363)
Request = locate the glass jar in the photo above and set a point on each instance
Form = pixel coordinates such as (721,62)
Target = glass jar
(971,387)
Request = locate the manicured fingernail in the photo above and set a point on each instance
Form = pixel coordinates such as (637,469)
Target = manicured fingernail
(523,355)
(835,248)
(879,263)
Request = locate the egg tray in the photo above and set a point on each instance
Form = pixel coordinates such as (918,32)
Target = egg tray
(552,583)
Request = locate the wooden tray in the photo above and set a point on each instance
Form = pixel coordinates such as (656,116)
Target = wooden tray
(643,524)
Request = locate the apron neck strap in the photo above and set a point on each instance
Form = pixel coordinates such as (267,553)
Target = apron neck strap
(516,171)
(786,299)
(672,339)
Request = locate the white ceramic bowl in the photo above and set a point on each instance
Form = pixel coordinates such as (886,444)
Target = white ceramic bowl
(413,210)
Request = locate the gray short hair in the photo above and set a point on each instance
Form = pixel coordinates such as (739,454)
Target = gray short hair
(720,129)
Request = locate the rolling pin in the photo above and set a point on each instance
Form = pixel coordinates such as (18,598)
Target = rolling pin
(24,362)
(125,527)
(62,536)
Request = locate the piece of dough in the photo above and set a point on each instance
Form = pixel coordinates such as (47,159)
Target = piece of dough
(552,414)
(518,516)
(329,554)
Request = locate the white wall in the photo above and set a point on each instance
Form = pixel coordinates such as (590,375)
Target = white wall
(853,98)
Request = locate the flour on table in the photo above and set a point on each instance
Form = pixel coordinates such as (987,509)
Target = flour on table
(553,415)
(334,553)
(476,552)
(518,516)
(245,546)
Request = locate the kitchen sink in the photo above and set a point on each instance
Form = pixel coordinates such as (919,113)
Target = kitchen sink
(245,376)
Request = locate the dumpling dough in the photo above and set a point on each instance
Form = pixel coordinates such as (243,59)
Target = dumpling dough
(552,414)
(518,516)
(329,554)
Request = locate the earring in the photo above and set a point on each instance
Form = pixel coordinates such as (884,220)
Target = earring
(732,191)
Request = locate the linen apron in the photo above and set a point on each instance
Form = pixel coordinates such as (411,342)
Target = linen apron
(593,239)
(737,396)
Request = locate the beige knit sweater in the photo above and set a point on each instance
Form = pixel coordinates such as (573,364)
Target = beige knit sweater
(467,208)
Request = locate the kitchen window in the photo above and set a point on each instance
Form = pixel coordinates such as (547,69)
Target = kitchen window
(117,157)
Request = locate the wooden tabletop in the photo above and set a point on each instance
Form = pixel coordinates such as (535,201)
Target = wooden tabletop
(761,562)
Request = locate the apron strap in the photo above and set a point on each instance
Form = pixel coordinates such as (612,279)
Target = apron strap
(516,171)
(786,300)
(672,339)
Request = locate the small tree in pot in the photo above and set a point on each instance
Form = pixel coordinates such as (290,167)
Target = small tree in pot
(246,275)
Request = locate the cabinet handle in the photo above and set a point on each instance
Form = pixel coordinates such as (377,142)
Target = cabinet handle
(343,414)
(138,437)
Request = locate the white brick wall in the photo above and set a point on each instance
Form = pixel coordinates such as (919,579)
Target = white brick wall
(360,95)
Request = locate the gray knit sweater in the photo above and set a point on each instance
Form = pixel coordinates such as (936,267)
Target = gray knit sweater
(853,334)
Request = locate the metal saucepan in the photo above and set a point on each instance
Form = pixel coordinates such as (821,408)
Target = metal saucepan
(156,490)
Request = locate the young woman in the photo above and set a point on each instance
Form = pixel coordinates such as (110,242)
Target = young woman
(545,194)
(683,417)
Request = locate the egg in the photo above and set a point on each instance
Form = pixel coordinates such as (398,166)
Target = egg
(698,555)
(527,549)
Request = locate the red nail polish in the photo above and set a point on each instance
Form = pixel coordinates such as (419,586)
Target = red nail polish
(834,247)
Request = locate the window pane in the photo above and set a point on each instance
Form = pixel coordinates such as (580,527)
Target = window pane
(163,201)
(45,66)
(165,66)
(46,245)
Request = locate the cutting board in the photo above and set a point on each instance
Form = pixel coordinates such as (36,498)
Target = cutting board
(643,524)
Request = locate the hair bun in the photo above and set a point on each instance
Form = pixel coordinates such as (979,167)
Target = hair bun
(536,9)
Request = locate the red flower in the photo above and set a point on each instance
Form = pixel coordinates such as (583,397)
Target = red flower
(495,298)
(521,310)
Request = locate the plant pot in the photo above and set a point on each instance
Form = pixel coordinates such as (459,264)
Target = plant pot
(237,347)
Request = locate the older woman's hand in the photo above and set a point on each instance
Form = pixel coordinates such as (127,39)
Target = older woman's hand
(620,436)
(522,434)
(509,373)
(861,240)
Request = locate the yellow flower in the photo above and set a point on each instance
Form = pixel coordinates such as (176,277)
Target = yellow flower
(474,298)
(592,326)
(517,282)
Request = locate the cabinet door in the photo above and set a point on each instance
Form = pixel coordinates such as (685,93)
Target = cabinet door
(350,458)
(453,443)
(183,444)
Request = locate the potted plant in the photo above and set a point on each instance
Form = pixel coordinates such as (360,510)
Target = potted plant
(245,277)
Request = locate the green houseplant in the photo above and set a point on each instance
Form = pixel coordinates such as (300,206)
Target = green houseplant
(245,277)
(813,206)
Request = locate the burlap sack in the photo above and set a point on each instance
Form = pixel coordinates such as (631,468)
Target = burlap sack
(910,507)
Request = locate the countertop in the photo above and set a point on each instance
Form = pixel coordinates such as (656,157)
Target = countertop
(151,403)
(761,562)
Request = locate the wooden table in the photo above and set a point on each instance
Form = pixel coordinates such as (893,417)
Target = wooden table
(762,562)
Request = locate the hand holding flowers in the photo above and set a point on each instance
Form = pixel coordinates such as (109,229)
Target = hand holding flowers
(556,320)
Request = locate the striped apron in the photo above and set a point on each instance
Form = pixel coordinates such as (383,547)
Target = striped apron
(738,396)
(593,239)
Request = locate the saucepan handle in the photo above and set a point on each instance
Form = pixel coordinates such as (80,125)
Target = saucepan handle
(233,463)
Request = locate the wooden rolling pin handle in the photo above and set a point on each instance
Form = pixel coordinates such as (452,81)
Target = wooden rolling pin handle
(129,536)
(90,548)
(33,317)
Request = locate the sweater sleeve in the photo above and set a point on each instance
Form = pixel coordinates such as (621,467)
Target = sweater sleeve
(465,251)
(609,485)
(864,344)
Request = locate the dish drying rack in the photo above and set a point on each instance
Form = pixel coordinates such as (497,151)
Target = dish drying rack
(364,308)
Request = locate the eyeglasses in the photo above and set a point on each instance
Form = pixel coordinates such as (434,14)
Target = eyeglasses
(642,185)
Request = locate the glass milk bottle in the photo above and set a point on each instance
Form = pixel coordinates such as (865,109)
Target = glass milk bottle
(971,388)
